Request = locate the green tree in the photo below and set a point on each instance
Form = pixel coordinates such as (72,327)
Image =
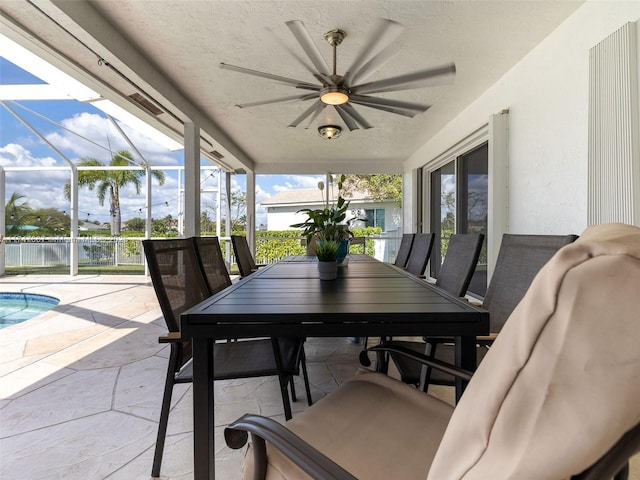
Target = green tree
(238,210)
(379,187)
(50,222)
(16,214)
(238,213)
(136,224)
(206,223)
(109,182)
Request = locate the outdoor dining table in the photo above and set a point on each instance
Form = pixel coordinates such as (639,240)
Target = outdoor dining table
(287,299)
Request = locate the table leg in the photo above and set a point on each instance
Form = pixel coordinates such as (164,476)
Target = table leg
(203,421)
(465,358)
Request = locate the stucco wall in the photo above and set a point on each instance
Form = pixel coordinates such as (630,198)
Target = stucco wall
(547,97)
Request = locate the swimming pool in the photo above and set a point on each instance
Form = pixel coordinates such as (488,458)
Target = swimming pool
(16,307)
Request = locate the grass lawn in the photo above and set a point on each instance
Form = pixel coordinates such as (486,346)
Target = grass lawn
(82,270)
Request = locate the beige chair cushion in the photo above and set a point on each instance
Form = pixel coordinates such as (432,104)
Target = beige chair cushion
(368,426)
(564,373)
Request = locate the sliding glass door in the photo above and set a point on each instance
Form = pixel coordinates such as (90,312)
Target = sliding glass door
(459,204)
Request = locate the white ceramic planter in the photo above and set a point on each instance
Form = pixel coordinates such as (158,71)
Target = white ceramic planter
(328,270)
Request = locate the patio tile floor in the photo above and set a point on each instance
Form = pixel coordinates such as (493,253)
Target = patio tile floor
(81,386)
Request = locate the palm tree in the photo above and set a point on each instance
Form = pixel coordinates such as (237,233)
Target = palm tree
(109,182)
(15,214)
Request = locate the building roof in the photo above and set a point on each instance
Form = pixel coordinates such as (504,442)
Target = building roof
(307,196)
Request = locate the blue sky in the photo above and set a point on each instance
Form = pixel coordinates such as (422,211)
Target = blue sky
(79,130)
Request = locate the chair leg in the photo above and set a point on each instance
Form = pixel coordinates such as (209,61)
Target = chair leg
(424,381)
(283,379)
(305,377)
(292,386)
(284,382)
(164,413)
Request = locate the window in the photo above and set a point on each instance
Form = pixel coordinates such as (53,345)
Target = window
(459,204)
(375,218)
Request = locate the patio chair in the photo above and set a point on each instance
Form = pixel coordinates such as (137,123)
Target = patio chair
(216,275)
(519,260)
(420,253)
(244,259)
(179,284)
(460,263)
(455,273)
(212,264)
(358,241)
(404,250)
(413,256)
(555,397)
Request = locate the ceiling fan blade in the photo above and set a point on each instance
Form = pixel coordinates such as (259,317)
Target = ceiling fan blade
(387,102)
(401,80)
(351,124)
(396,110)
(316,106)
(322,78)
(387,31)
(429,82)
(306,42)
(270,76)
(314,116)
(376,62)
(278,100)
(348,108)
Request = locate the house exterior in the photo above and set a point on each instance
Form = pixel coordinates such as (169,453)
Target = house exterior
(282,210)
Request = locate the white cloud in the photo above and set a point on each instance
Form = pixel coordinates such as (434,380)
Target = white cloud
(45,189)
(91,127)
(14,155)
(293,182)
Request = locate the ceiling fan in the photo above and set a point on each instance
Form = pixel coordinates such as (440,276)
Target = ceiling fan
(341,91)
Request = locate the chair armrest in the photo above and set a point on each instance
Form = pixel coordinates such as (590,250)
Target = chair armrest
(262,429)
(486,339)
(419,357)
(481,339)
(170,337)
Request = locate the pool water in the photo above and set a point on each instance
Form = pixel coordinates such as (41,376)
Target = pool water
(18,307)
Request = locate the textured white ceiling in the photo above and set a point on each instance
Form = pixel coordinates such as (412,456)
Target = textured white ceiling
(186,41)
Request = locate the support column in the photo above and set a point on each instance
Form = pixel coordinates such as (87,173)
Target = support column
(191,180)
(251,211)
(73,227)
(227,216)
(3,226)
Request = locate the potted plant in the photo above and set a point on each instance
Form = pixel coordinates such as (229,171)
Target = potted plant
(327,252)
(327,224)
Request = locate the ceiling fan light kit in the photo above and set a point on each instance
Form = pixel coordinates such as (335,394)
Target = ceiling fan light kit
(334,95)
(329,132)
(342,92)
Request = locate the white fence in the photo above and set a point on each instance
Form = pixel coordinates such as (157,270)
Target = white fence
(115,251)
(56,251)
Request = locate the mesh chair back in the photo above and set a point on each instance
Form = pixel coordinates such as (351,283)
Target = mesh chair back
(245,261)
(459,263)
(177,281)
(176,277)
(519,260)
(404,250)
(420,253)
(311,245)
(212,263)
